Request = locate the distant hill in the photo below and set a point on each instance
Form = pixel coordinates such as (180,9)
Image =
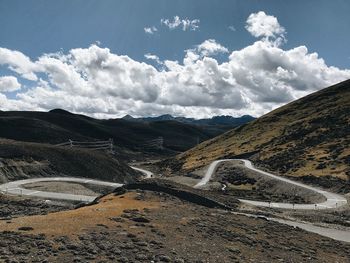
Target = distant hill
(309,137)
(216,120)
(21,160)
(58,126)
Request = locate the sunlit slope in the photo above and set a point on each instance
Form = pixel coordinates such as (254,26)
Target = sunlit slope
(310,136)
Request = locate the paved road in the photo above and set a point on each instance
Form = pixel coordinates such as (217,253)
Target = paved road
(332,200)
(16,188)
(147,174)
(336,234)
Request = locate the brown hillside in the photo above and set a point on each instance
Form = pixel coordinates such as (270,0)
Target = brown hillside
(310,136)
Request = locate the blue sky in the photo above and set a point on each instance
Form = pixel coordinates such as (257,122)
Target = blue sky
(42,26)
(35,28)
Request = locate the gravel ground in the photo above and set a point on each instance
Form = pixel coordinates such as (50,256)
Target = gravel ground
(171,230)
(16,206)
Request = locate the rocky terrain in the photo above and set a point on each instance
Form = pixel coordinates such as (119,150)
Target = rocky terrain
(16,206)
(145,226)
(164,219)
(308,138)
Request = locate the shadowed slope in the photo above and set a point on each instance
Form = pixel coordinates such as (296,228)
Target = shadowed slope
(58,126)
(21,160)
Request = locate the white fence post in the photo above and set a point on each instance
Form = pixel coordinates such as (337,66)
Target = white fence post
(111,144)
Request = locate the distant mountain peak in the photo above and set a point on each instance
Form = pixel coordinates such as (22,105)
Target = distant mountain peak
(61,111)
(128,117)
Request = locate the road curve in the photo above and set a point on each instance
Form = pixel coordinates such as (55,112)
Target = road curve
(332,200)
(15,187)
(336,234)
(147,174)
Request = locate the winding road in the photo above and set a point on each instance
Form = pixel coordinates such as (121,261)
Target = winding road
(147,174)
(332,200)
(16,187)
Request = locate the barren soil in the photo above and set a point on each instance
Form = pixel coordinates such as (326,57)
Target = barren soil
(142,226)
(16,206)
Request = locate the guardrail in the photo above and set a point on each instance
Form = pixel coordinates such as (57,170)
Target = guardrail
(91,145)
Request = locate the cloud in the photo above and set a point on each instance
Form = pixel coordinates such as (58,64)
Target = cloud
(150,30)
(211,47)
(154,58)
(18,63)
(232,28)
(252,80)
(262,25)
(8,84)
(177,22)
(206,49)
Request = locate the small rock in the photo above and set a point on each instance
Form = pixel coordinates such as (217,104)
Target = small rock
(26,228)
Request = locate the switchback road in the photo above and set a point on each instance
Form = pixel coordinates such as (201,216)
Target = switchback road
(332,200)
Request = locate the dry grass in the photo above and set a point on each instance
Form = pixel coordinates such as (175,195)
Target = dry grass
(73,222)
(316,125)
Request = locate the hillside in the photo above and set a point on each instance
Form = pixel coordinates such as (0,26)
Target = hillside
(21,160)
(58,126)
(308,137)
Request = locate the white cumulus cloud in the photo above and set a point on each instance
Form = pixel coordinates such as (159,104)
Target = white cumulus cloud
(18,62)
(154,58)
(9,83)
(206,49)
(211,47)
(252,80)
(262,25)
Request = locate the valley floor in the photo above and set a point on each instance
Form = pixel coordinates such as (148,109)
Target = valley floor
(141,226)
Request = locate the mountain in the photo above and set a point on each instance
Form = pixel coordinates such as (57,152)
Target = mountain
(307,138)
(21,160)
(58,126)
(216,120)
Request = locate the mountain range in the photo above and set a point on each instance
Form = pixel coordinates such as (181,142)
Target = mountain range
(216,120)
(58,126)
